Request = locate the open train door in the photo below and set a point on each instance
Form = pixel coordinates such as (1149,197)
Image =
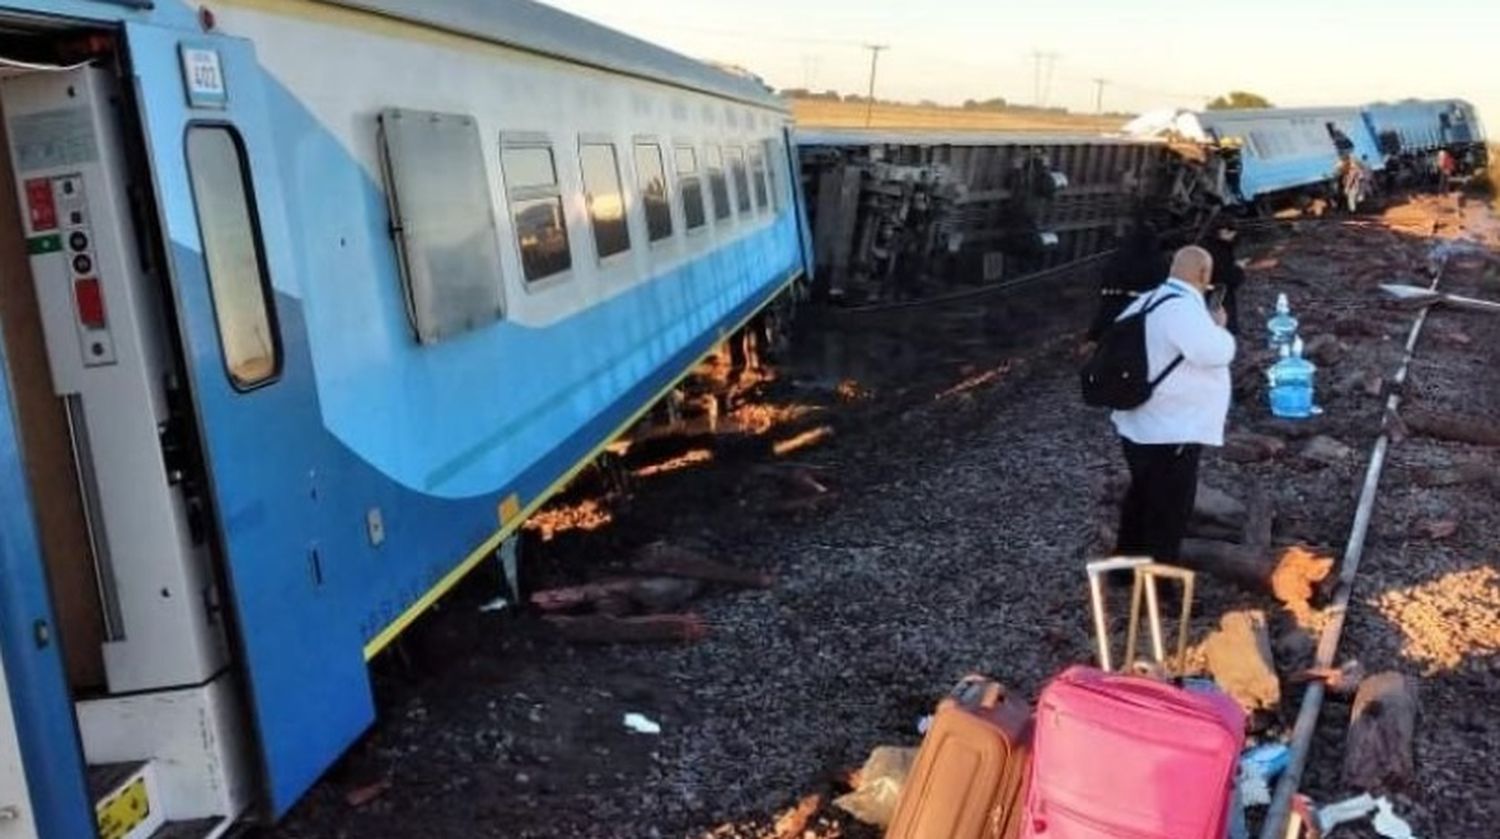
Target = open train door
(207,114)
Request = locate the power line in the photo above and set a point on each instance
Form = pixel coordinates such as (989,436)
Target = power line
(875,50)
(1040,92)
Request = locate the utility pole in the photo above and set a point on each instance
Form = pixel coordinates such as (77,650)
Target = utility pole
(875,50)
(1041,90)
(1099,95)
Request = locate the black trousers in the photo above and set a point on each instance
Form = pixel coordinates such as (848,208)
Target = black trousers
(1163,486)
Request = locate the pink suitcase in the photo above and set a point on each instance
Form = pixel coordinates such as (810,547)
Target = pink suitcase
(1125,757)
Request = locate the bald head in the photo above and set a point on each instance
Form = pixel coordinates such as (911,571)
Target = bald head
(1193,264)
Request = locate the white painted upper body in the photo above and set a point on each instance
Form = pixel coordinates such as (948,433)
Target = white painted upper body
(1192,404)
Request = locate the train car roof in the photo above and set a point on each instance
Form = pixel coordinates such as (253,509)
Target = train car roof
(544,30)
(920,137)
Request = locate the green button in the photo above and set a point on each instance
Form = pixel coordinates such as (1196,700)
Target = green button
(38,245)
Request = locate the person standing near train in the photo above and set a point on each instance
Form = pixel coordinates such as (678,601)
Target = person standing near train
(1188,353)
(1136,266)
(1227,274)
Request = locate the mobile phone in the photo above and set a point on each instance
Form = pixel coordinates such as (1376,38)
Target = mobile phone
(1216,297)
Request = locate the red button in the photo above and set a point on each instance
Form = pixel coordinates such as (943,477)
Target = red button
(90,299)
(40,205)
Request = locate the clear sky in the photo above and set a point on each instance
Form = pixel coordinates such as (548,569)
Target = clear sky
(1154,53)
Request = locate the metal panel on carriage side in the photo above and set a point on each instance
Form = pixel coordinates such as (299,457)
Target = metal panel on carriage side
(308,687)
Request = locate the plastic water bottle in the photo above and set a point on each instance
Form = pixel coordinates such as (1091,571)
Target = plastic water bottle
(1292,383)
(1282,327)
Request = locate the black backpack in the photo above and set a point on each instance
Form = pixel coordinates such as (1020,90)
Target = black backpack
(1117,375)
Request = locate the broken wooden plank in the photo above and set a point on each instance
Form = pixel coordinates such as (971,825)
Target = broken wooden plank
(1454,427)
(1238,564)
(1240,659)
(1429,477)
(1248,447)
(642,629)
(1382,727)
(573,597)
(1260,519)
(669,560)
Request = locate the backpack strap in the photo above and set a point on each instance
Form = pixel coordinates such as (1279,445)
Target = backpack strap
(1156,302)
(1167,372)
(1151,307)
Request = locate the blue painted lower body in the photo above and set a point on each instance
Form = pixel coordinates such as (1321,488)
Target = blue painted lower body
(33,664)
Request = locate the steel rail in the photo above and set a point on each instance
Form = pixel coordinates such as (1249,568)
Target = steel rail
(1274,825)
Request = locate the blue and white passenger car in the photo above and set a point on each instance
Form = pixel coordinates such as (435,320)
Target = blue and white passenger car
(307,304)
(1414,130)
(1280,149)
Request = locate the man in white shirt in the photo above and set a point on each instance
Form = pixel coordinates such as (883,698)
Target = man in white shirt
(1164,437)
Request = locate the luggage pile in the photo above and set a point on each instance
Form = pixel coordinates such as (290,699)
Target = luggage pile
(1104,755)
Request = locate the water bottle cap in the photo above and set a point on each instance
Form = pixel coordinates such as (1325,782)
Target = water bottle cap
(1282,305)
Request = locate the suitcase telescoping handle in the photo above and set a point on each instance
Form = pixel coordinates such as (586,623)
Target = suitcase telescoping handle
(1143,592)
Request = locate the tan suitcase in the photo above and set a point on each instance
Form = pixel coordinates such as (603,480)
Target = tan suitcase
(967,779)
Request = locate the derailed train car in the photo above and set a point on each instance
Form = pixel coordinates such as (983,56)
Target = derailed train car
(306,304)
(1275,153)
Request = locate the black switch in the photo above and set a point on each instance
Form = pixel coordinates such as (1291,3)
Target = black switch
(78,241)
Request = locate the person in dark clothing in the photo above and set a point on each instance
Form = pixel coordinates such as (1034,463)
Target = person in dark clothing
(1228,274)
(1138,264)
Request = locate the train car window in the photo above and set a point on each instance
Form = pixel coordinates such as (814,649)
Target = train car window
(536,210)
(758,176)
(651,175)
(736,158)
(717,184)
(233,254)
(773,172)
(690,186)
(442,221)
(604,197)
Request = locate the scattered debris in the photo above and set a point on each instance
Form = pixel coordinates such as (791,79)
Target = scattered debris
(1242,565)
(1259,766)
(1249,447)
(1217,506)
(664,594)
(1325,350)
(1455,427)
(1386,823)
(670,560)
(1296,578)
(643,629)
(641,724)
(877,785)
(362,795)
(1435,529)
(1240,659)
(573,597)
(1295,647)
(1382,725)
(797,442)
(793,823)
(1327,451)
(499,604)
(1343,680)
(1457,475)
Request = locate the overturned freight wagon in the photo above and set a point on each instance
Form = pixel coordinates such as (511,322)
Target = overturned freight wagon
(907,215)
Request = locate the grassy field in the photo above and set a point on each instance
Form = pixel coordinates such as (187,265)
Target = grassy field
(817,113)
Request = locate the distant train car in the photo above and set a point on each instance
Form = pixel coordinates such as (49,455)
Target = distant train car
(1411,132)
(306,305)
(1279,149)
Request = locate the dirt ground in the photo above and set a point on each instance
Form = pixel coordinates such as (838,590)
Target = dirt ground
(934,523)
(817,113)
